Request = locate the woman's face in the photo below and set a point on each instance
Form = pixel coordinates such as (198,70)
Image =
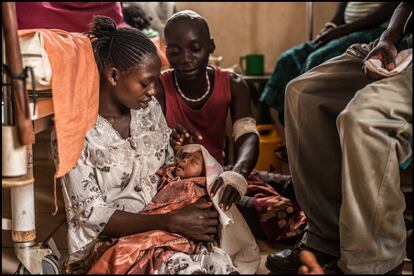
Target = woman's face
(188,47)
(191,165)
(135,87)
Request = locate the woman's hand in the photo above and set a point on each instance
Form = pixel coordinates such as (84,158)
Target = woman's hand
(386,52)
(181,136)
(329,35)
(324,30)
(197,221)
(230,194)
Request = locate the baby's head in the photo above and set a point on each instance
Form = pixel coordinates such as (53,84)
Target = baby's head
(190,165)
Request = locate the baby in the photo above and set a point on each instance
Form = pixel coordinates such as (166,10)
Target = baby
(190,165)
(184,182)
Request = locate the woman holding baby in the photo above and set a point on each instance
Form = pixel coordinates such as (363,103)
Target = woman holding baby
(115,176)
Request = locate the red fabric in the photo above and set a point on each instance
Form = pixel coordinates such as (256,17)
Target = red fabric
(280,217)
(144,253)
(67,16)
(210,120)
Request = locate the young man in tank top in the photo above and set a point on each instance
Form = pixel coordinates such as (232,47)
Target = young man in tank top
(196,97)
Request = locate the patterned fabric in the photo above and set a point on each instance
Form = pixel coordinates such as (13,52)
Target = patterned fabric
(113,174)
(279,217)
(205,262)
(300,59)
(144,253)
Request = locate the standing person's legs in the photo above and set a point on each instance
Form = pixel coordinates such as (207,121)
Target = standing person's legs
(374,132)
(313,102)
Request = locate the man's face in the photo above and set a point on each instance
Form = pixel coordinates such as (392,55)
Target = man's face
(188,47)
(191,165)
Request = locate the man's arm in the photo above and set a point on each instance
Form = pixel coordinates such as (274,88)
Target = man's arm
(386,49)
(247,145)
(394,32)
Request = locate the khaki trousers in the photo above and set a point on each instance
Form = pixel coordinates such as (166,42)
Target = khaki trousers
(346,136)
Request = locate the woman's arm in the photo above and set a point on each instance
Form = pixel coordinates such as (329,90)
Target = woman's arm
(373,19)
(339,16)
(337,19)
(197,221)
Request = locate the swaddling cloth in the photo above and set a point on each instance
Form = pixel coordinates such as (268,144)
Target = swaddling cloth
(236,237)
(403,59)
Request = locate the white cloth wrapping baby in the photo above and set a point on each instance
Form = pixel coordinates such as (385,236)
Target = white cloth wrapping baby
(403,59)
(236,238)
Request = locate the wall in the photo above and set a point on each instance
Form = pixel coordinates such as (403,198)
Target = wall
(240,28)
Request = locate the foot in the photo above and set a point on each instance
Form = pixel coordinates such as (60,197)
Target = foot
(310,265)
(287,261)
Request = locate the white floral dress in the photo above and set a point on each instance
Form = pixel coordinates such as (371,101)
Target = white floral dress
(113,173)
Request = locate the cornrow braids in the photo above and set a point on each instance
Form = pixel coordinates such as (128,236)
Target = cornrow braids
(123,48)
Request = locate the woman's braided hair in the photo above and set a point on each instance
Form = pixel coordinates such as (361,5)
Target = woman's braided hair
(123,48)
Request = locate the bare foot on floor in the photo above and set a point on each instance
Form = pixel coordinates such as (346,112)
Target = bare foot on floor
(310,264)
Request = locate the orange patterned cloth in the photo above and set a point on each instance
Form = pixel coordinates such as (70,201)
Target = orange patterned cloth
(144,253)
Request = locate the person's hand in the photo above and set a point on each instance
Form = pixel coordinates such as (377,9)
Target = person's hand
(329,35)
(310,264)
(181,136)
(324,30)
(198,221)
(386,52)
(229,196)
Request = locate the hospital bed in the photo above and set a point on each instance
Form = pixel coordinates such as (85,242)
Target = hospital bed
(17,157)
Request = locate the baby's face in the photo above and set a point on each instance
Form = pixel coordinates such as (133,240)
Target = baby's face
(191,165)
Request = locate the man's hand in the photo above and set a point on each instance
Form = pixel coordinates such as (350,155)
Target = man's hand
(181,136)
(229,196)
(386,52)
